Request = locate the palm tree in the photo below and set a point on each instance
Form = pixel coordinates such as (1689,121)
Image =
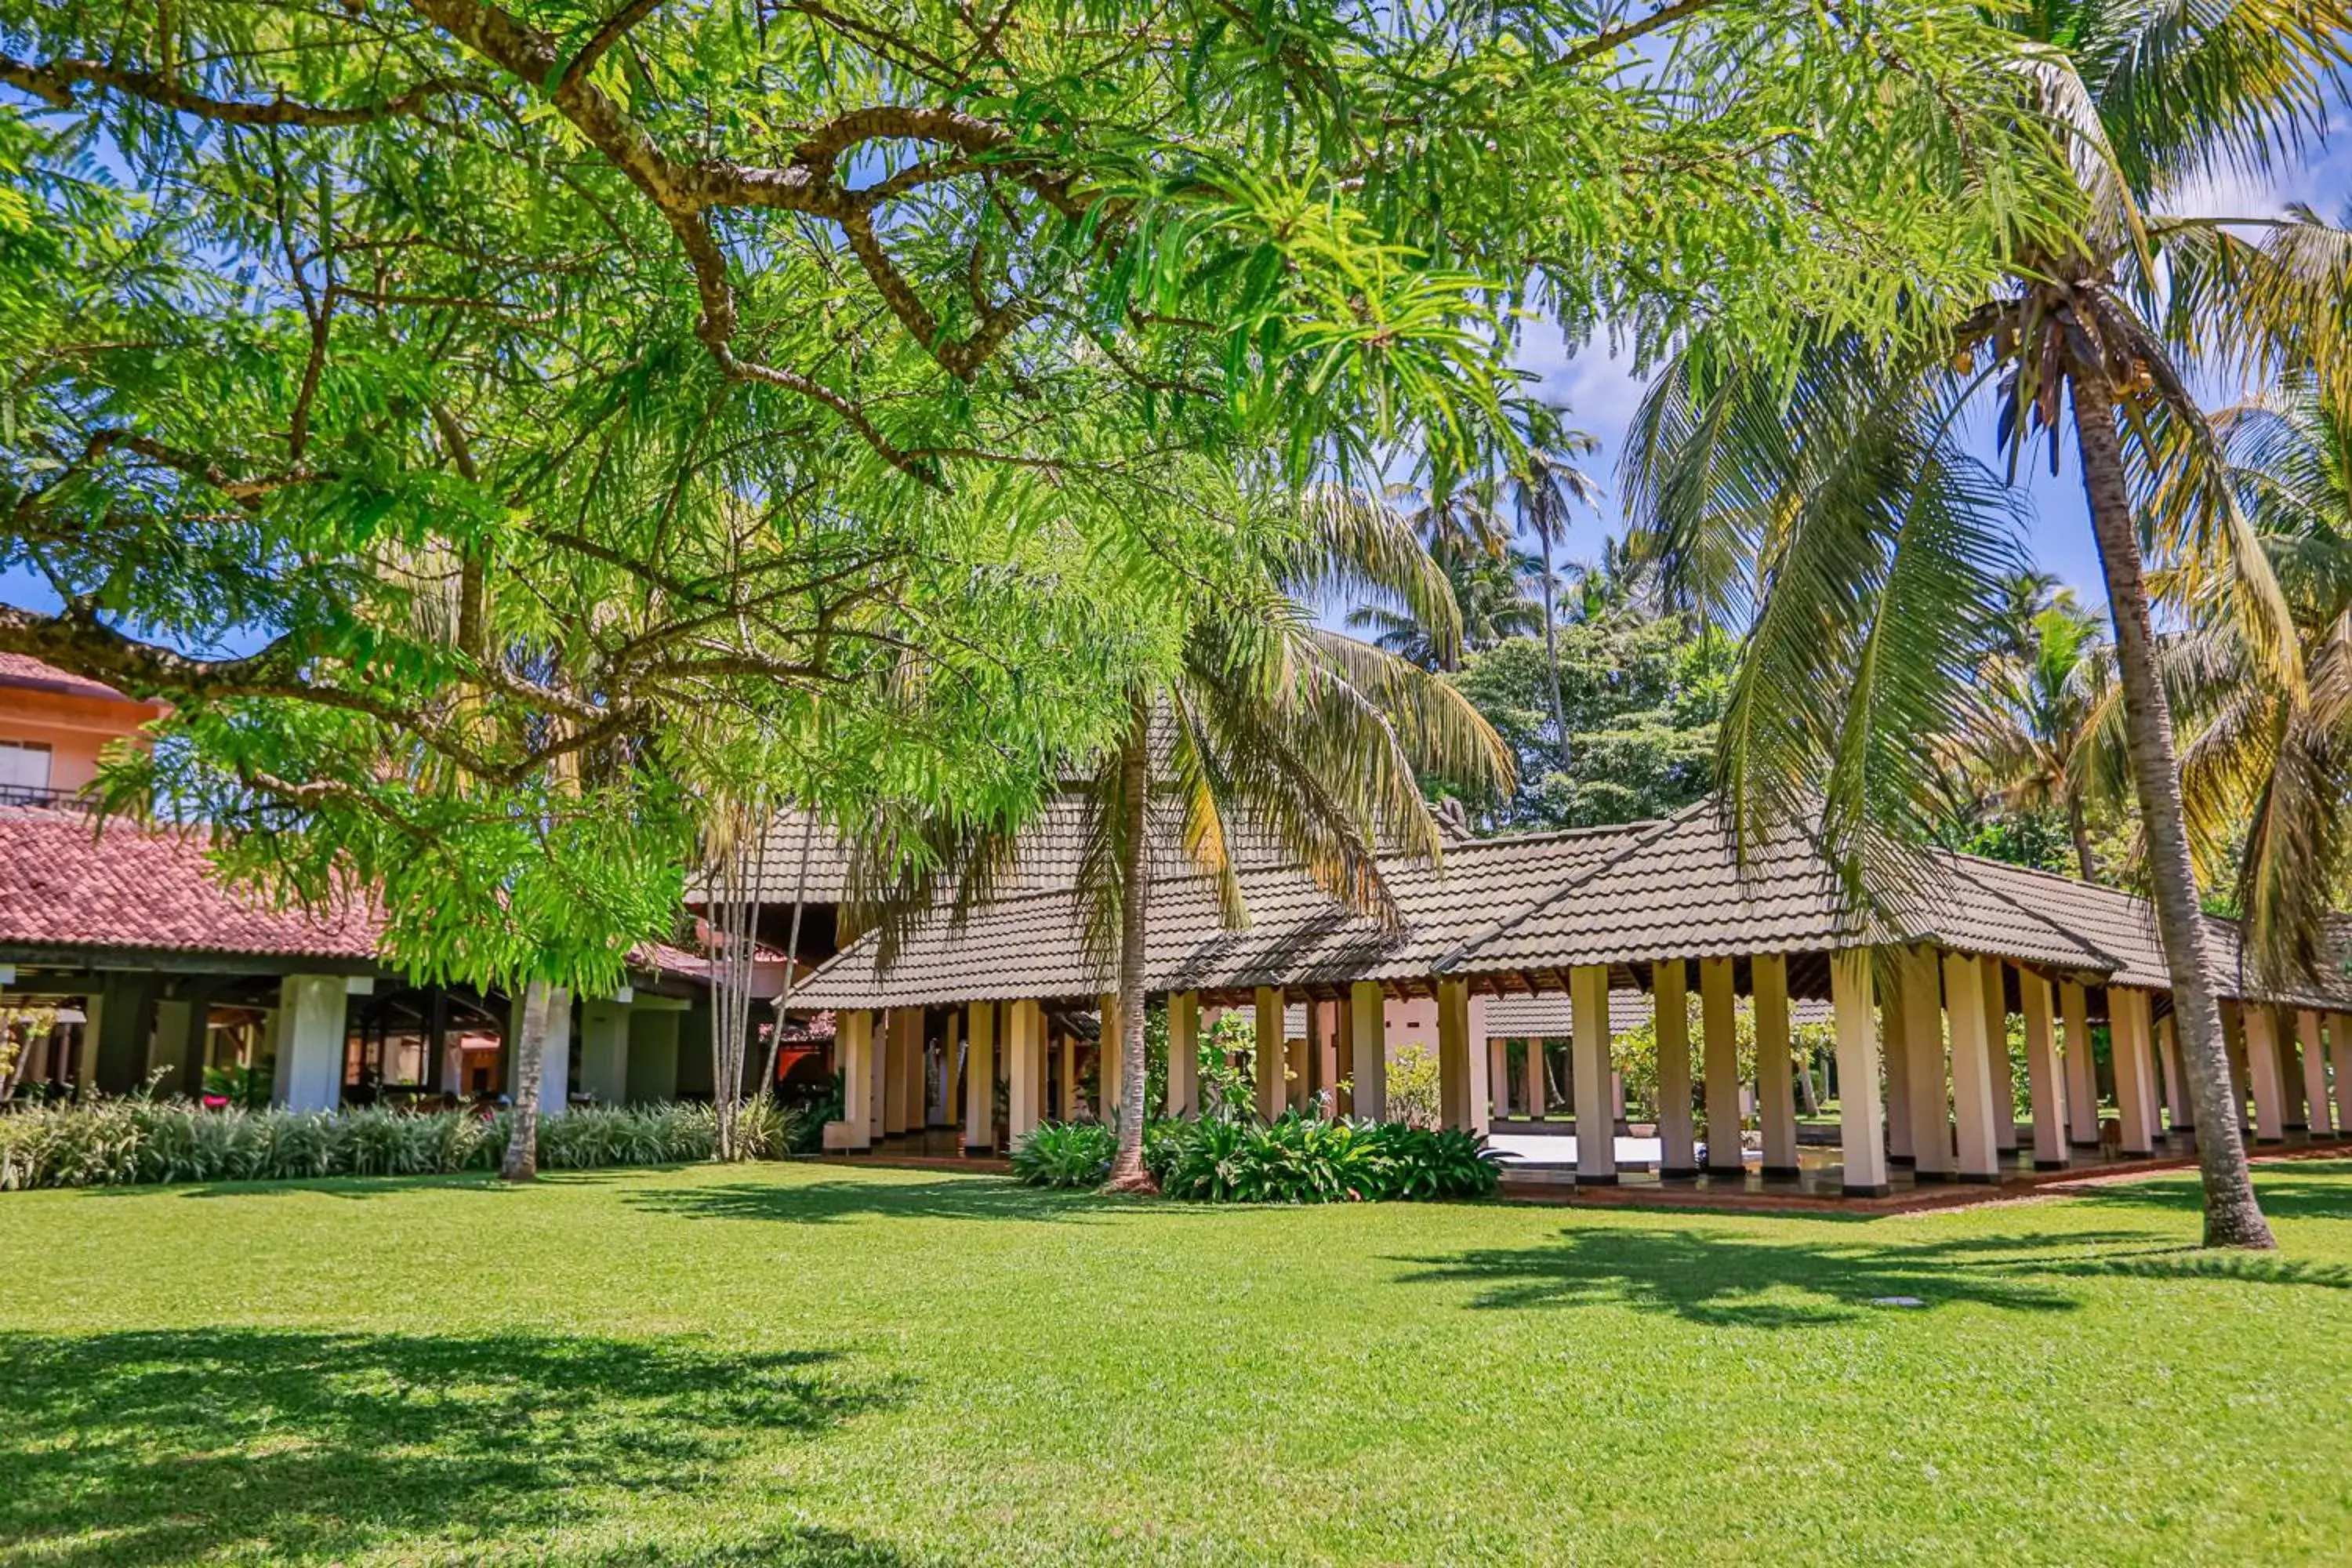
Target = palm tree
(1463,534)
(2267,769)
(1272,731)
(1836,501)
(2042,683)
(1545,482)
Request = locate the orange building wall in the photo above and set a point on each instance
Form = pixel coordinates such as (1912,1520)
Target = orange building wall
(74,728)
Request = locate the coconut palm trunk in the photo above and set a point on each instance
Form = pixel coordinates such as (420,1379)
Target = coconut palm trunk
(2084,862)
(1128,1174)
(2233,1218)
(1551,649)
(522,1163)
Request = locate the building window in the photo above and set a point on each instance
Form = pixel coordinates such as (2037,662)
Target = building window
(24,770)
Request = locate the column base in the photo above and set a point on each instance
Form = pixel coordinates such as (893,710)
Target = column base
(1678,1172)
(1980,1178)
(1923,1177)
(1780,1172)
(1584,1180)
(2082,1142)
(1865,1190)
(2269,1141)
(2053,1164)
(1906,1161)
(1724,1170)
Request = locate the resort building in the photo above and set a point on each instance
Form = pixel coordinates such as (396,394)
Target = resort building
(124,961)
(982,1022)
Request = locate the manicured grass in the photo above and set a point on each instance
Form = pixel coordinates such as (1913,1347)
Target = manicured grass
(809,1365)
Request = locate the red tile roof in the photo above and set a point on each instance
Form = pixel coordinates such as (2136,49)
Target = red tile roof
(65,883)
(21,670)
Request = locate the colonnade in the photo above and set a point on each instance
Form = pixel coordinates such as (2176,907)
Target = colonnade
(1931,1024)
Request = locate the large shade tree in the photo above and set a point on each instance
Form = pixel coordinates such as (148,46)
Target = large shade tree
(501,427)
(1831,510)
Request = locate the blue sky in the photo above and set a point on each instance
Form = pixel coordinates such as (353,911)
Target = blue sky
(1601,393)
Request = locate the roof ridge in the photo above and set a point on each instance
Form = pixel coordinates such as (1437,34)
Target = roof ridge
(1470,944)
(2074,939)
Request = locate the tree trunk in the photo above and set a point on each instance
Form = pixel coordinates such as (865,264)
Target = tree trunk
(1128,1174)
(792,960)
(2233,1218)
(522,1163)
(2084,862)
(1552,650)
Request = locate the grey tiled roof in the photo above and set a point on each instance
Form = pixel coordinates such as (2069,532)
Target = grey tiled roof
(1532,905)
(1679,890)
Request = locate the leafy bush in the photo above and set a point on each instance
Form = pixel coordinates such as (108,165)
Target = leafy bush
(117,1143)
(1310,1159)
(1413,1093)
(1066,1154)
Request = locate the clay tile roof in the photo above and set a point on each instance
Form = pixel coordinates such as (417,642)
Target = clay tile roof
(23,671)
(64,883)
(1679,890)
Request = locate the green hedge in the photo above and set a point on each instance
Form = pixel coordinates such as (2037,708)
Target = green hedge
(130,1142)
(1295,1160)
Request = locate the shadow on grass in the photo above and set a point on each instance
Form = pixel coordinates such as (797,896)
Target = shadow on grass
(2301,1189)
(829,1202)
(152,1447)
(357,1187)
(1762,1280)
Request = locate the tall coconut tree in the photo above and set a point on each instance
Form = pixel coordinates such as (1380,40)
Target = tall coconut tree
(2266,767)
(2042,684)
(1545,486)
(1490,603)
(1268,736)
(1832,511)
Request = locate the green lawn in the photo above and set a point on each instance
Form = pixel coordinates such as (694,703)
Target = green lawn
(808,1365)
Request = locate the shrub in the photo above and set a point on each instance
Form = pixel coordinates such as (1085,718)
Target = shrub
(118,1142)
(1413,1092)
(1307,1160)
(1066,1154)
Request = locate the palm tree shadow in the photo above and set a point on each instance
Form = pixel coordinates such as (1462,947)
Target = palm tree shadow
(163,1447)
(976,1197)
(2303,1189)
(1777,1281)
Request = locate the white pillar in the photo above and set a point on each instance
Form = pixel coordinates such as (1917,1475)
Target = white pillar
(1720,1043)
(1861,1125)
(1895,1057)
(1670,1010)
(310,1041)
(1271,1059)
(2339,1058)
(1588,1014)
(2315,1073)
(1023,1103)
(854,1051)
(554,1053)
(2263,1068)
(2004,1079)
(1498,1075)
(2082,1072)
(2128,1036)
(1531,1066)
(2176,1098)
(1372,1070)
(1922,1032)
(1184,1054)
(2044,1074)
(604,1049)
(980,1080)
(1461,1065)
(1110,1063)
(1776,1086)
(1964,1005)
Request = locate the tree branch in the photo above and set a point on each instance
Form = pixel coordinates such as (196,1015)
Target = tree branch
(57,81)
